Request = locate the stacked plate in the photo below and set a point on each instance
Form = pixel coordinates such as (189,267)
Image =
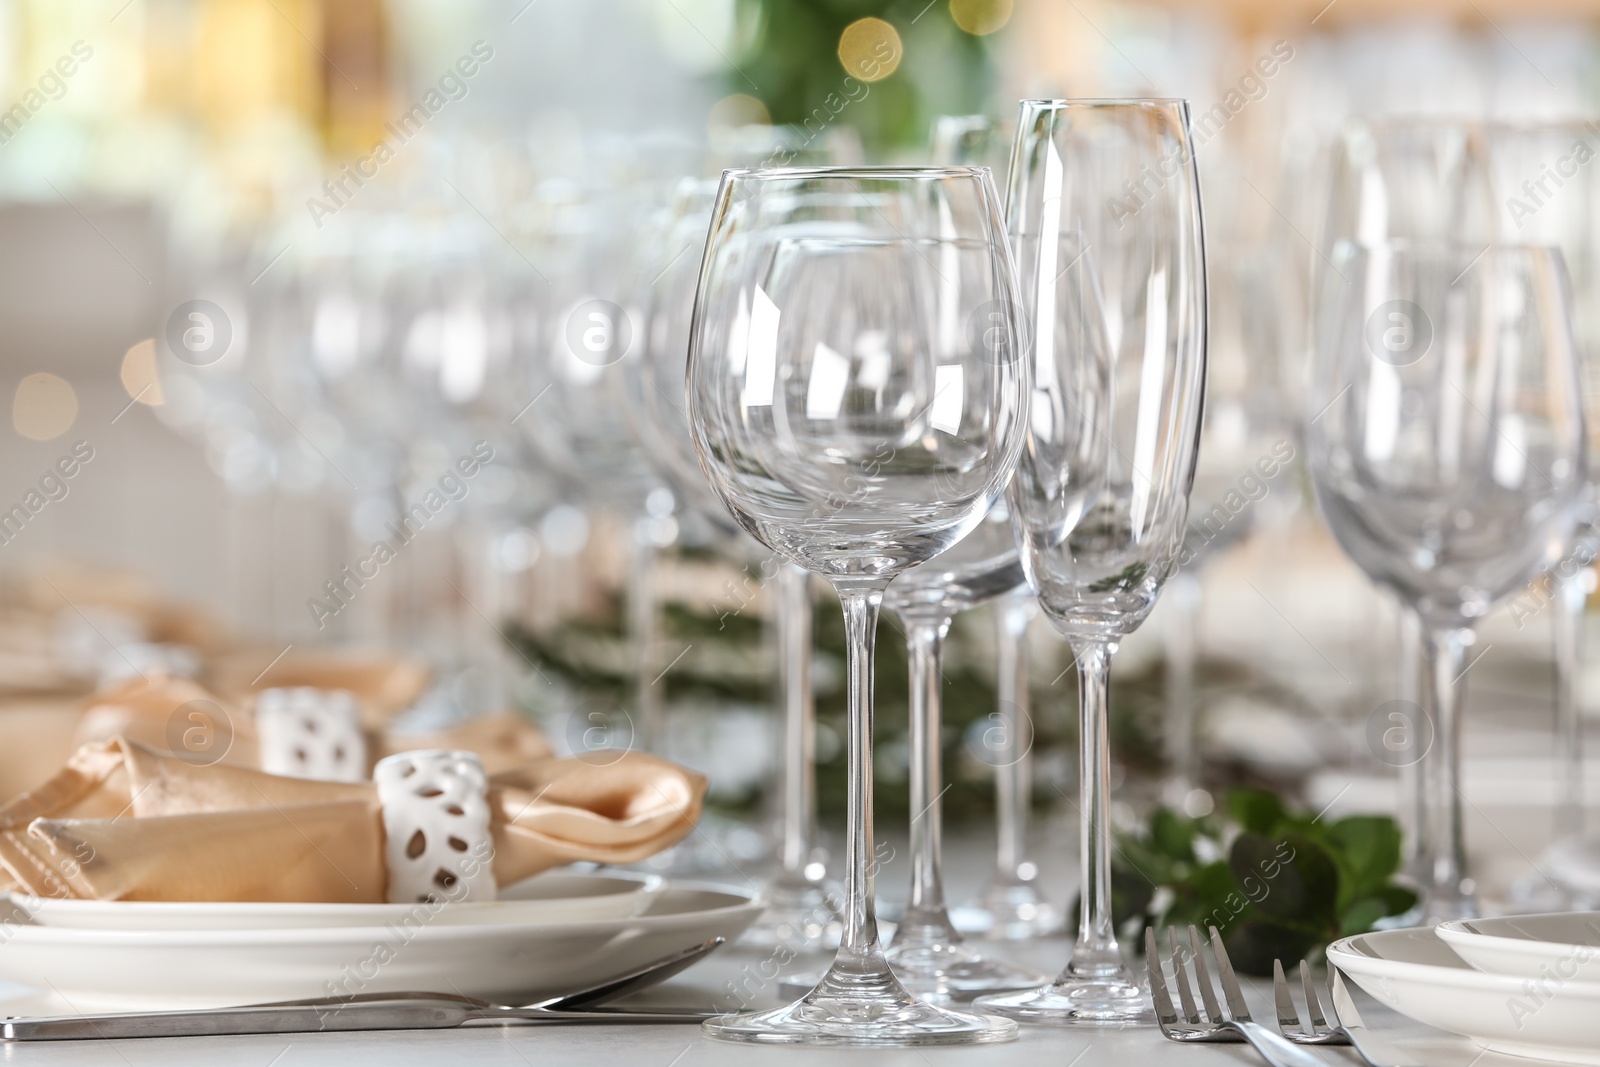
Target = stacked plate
(1525,985)
(559,931)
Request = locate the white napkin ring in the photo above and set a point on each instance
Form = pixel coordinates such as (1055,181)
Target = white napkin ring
(311,733)
(436,826)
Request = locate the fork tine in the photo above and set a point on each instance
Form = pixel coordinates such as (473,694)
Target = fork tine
(1230,983)
(1313,1004)
(1203,977)
(1181,978)
(1165,1015)
(1288,1014)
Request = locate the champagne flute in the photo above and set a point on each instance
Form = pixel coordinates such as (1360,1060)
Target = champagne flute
(856,402)
(1104,211)
(1447,454)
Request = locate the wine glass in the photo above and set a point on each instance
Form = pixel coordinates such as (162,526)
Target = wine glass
(1447,453)
(1402,177)
(927,954)
(1116,284)
(1538,177)
(856,402)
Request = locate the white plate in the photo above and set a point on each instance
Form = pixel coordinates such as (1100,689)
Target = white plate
(511,964)
(551,897)
(1563,944)
(1416,974)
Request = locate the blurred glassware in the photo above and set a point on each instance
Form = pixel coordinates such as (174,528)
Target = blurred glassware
(1011,907)
(849,418)
(927,954)
(1397,177)
(1447,453)
(1114,275)
(1545,191)
(799,906)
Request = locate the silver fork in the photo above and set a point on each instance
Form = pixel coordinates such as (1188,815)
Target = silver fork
(1346,1028)
(1233,1025)
(1321,1032)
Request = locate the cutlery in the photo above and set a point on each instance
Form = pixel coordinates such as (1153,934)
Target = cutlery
(1376,1050)
(1289,1024)
(372,1011)
(1233,1025)
(1372,1049)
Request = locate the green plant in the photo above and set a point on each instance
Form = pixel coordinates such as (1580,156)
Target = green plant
(1277,884)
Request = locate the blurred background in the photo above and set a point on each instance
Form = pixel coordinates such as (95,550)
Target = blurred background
(261,163)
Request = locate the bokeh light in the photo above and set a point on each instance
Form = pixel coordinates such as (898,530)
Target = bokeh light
(45,407)
(139,374)
(870,49)
(981,17)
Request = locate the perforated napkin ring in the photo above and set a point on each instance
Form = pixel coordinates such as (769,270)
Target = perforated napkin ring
(311,733)
(436,826)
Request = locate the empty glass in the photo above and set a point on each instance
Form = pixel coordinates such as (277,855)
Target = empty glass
(1104,211)
(856,402)
(1446,449)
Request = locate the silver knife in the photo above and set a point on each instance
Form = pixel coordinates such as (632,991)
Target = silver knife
(1374,1049)
(404,1012)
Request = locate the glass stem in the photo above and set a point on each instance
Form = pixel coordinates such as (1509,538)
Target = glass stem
(860,956)
(642,634)
(1567,620)
(1182,738)
(1095,955)
(799,720)
(1447,892)
(1013,782)
(1413,779)
(925,922)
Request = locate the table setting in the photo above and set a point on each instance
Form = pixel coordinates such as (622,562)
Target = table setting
(768,530)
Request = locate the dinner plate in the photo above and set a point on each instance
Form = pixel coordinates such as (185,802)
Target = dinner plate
(510,963)
(551,897)
(1565,945)
(1414,972)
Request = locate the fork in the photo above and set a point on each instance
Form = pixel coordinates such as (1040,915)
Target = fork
(1321,1032)
(1347,1027)
(1233,1025)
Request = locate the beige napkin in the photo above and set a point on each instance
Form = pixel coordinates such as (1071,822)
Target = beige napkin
(124,822)
(160,712)
(383,686)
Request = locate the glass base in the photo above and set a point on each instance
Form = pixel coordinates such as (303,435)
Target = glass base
(945,973)
(1083,1001)
(861,1010)
(1010,912)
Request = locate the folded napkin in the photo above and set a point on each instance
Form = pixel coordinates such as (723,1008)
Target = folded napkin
(178,716)
(383,686)
(124,822)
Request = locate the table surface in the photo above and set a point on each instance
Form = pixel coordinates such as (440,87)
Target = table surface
(685,1046)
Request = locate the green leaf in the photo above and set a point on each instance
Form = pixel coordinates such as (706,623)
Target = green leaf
(1172,835)
(1370,848)
(1292,878)
(1360,916)
(1255,943)
(1256,810)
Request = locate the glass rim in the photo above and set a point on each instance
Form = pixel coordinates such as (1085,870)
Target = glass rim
(1060,103)
(879,172)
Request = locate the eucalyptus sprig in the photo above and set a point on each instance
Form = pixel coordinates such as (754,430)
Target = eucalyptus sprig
(1277,884)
